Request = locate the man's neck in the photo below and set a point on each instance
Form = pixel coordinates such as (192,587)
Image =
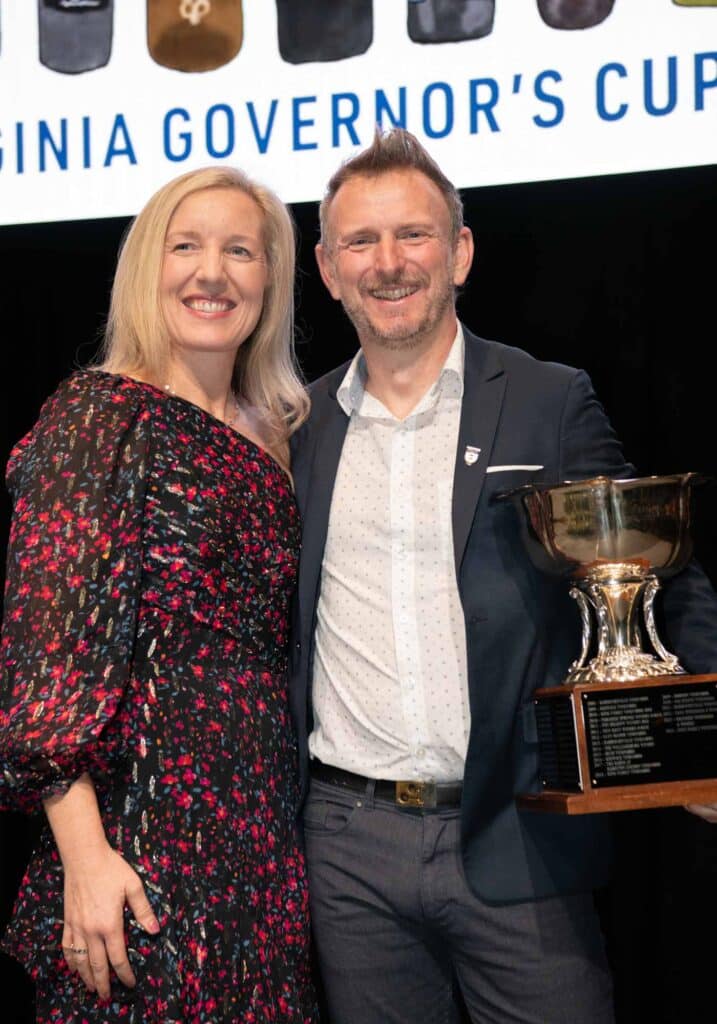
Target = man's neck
(400,378)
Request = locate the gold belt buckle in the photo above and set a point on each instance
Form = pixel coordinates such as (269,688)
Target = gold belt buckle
(416,794)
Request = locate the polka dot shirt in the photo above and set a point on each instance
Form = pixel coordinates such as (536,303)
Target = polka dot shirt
(390,693)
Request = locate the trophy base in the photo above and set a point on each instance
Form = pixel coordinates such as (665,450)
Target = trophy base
(621,665)
(622,746)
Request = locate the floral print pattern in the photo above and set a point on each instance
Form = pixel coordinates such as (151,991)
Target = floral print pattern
(152,558)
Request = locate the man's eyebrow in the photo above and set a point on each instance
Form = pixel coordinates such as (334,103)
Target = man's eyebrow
(422,224)
(407,226)
(357,231)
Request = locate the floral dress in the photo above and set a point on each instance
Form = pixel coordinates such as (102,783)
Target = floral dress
(152,558)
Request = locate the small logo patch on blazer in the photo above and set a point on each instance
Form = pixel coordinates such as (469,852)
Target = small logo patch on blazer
(470,455)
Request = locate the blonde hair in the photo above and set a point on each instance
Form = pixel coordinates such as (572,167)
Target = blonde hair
(136,338)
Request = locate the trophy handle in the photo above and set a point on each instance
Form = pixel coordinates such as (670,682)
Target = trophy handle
(671,662)
(584,606)
(603,637)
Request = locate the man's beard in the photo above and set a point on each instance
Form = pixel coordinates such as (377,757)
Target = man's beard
(400,336)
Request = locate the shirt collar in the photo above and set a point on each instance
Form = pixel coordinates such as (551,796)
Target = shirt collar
(352,389)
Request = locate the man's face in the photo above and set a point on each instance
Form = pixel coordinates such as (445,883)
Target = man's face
(390,259)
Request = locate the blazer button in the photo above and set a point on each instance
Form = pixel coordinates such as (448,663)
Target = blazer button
(297,646)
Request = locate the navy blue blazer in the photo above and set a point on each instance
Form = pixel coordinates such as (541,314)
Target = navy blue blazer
(522,628)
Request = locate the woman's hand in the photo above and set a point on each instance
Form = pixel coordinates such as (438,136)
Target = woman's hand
(99,883)
(97,887)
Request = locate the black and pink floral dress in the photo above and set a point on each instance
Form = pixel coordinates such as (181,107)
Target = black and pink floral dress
(152,559)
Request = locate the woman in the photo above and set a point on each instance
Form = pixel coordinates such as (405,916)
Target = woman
(153,553)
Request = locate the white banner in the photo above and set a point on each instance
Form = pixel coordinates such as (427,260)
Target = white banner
(525,101)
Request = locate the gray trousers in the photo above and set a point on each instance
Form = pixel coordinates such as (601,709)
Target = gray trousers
(396,925)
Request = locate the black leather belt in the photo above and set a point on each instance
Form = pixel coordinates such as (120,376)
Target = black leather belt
(403,794)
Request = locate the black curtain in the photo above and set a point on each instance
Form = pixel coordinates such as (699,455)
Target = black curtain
(609,274)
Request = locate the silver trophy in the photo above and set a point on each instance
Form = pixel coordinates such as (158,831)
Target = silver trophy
(628,728)
(615,539)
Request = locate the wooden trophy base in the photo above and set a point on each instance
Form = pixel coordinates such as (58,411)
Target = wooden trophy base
(622,746)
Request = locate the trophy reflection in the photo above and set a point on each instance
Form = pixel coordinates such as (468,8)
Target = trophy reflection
(628,728)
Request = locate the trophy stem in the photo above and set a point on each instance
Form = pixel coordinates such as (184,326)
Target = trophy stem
(616,602)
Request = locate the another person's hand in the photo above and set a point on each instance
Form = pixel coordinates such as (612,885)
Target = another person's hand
(97,889)
(708,812)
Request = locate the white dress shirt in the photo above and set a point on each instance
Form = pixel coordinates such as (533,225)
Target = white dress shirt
(390,693)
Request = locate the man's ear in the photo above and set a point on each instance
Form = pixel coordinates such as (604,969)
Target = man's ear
(327,271)
(463,256)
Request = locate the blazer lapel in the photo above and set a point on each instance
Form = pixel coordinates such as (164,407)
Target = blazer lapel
(483,389)
(330,432)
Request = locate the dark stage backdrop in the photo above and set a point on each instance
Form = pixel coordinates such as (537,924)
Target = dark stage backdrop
(612,274)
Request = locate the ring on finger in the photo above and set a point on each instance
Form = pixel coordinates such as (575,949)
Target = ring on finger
(76,950)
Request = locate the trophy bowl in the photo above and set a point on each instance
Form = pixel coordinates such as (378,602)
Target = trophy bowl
(614,540)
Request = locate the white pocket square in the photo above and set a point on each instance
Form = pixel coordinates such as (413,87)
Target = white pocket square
(508,469)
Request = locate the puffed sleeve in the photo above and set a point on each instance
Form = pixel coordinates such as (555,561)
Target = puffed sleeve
(73,572)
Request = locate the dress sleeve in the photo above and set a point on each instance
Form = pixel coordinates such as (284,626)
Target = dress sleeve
(73,573)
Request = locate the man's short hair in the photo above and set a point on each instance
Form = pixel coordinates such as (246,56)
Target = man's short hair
(393,150)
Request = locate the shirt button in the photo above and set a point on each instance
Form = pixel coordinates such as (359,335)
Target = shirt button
(421,752)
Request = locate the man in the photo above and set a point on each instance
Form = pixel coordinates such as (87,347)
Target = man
(423,631)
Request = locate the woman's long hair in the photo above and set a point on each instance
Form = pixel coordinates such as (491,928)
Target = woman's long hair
(137,340)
